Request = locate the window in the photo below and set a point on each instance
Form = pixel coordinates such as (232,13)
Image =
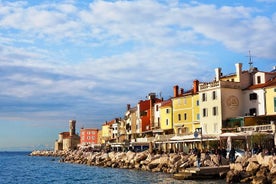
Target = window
(205,112)
(204,97)
(215,111)
(258,79)
(167,122)
(179,117)
(197,103)
(205,127)
(214,95)
(167,111)
(158,121)
(253,96)
(252,111)
(215,127)
(185,116)
(198,116)
(274,89)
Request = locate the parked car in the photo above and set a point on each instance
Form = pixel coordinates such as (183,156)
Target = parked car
(238,153)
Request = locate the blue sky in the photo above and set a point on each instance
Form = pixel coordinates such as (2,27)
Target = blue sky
(85,60)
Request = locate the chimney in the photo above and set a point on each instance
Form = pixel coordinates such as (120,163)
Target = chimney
(151,96)
(175,91)
(238,71)
(218,73)
(128,107)
(195,86)
(181,91)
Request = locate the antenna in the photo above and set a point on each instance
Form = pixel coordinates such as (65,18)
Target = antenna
(250,62)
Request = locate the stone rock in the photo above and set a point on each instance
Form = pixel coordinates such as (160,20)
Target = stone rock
(140,157)
(130,155)
(238,167)
(273,170)
(259,180)
(174,158)
(252,167)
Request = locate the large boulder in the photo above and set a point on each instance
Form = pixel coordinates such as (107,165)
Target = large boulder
(140,157)
(174,158)
(130,155)
(252,167)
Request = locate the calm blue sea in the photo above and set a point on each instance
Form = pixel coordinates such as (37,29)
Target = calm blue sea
(18,167)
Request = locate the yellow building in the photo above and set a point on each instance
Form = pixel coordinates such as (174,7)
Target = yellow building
(186,110)
(166,117)
(106,132)
(270,92)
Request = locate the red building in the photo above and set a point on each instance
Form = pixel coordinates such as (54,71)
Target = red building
(145,109)
(88,136)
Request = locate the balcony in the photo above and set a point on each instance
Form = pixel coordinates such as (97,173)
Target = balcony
(218,84)
(257,128)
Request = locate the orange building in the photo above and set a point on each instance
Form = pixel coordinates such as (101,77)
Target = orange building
(88,136)
(146,113)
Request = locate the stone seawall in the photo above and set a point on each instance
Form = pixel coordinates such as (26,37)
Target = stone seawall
(256,169)
(168,163)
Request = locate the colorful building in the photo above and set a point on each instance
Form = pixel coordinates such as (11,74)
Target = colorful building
(68,140)
(89,136)
(145,115)
(107,132)
(185,107)
(166,119)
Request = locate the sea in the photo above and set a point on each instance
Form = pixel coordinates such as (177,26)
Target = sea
(20,168)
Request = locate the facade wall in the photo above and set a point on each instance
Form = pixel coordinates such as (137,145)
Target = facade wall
(250,104)
(232,103)
(210,101)
(166,117)
(196,112)
(89,136)
(133,118)
(106,132)
(271,100)
(156,110)
(99,137)
(183,114)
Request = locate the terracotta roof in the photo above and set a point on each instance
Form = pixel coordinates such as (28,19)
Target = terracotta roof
(108,123)
(271,82)
(65,134)
(166,103)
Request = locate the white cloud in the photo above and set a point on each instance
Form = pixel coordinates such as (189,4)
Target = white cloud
(122,49)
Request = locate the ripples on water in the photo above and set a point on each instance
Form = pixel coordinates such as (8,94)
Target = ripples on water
(18,167)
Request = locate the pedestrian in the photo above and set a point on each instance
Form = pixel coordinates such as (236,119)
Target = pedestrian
(198,157)
(223,152)
(232,155)
(218,152)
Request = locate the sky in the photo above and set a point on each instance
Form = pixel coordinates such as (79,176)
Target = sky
(86,60)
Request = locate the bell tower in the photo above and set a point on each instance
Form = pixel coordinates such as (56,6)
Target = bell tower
(72,125)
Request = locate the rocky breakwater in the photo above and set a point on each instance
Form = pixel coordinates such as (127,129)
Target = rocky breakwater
(256,169)
(48,153)
(167,163)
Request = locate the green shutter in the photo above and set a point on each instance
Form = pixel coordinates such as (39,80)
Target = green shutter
(274,104)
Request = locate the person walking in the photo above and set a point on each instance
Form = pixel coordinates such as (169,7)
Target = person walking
(198,157)
(232,155)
